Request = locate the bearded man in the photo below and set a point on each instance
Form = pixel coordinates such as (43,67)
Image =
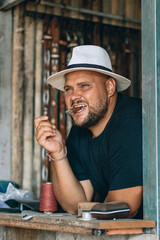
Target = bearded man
(103,152)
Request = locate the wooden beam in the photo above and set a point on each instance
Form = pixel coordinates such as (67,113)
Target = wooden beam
(5,94)
(36,171)
(100,14)
(7,4)
(28,103)
(151,108)
(17,94)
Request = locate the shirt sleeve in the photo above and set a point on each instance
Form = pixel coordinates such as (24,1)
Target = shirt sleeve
(73,155)
(125,154)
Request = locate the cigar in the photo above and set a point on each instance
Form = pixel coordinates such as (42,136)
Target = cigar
(73,110)
(69,111)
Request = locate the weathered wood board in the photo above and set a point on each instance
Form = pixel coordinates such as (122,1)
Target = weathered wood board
(5,94)
(17,94)
(71,224)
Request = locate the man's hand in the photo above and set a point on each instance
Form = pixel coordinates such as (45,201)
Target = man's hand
(48,136)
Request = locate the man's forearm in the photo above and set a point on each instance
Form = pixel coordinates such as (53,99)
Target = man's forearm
(67,188)
(132,196)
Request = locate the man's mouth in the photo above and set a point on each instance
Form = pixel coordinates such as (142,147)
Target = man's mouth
(78,108)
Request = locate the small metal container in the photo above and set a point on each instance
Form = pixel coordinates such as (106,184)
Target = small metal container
(86,216)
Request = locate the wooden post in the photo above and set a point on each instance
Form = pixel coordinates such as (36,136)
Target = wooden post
(36,173)
(17,93)
(28,103)
(5,94)
(151,108)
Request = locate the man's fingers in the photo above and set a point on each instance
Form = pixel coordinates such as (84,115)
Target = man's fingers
(44,136)
(39,119)
(43,128)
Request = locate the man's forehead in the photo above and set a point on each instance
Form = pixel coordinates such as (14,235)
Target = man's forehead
(77,81)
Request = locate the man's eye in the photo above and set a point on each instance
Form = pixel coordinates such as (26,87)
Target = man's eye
(67,89)
(84,85)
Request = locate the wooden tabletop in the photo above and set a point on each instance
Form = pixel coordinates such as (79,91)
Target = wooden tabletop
(70,223)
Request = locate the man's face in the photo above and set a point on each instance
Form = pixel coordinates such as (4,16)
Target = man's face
(87,91)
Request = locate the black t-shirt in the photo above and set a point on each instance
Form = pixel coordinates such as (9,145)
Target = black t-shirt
(113,160)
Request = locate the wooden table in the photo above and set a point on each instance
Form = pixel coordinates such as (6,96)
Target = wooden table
(72,224)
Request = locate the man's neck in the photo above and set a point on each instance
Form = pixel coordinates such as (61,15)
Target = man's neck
(100,126)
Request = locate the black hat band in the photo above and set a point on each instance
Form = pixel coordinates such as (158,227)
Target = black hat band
(86,65)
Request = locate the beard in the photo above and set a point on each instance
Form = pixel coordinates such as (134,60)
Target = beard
(95,114)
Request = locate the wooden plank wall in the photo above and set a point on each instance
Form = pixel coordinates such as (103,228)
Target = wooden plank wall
(27,76)
(32,103)
(118,12)
(26,90)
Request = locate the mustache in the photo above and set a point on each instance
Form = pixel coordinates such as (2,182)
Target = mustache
(78,102)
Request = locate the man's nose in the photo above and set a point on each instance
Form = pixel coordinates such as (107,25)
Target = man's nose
(76,94)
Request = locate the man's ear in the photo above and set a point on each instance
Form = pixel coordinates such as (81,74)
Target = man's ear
(111,86)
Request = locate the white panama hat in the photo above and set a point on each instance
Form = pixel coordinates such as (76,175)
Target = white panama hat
(89,57)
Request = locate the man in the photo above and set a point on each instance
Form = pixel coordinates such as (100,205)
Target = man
(104,147)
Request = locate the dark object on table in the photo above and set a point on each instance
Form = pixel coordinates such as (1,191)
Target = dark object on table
(110,210)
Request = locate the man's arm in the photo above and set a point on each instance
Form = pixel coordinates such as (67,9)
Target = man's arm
(132,196)
(68,190)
